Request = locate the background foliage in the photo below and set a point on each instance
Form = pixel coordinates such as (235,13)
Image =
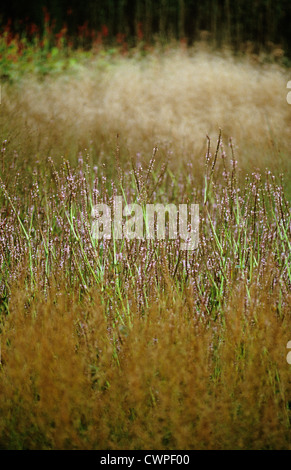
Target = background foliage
(260,21)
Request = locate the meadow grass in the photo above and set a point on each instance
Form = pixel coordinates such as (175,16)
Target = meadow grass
(135,344)
(170,100)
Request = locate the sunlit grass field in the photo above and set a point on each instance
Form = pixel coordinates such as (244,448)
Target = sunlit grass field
(135,344)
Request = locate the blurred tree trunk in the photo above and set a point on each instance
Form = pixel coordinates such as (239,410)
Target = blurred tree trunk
(148,20)
(163,18)
(228,22)
(238,34)
(120,21)
(181,27)
(138,17)
(214,22)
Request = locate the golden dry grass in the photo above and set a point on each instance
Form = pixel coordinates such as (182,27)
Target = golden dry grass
(72,379)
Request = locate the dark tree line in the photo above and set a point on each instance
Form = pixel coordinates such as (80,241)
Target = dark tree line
(259,21)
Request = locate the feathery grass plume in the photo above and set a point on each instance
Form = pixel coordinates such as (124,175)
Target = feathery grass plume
(171,99)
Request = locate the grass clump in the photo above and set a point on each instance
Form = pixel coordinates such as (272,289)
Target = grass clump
(134,344)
